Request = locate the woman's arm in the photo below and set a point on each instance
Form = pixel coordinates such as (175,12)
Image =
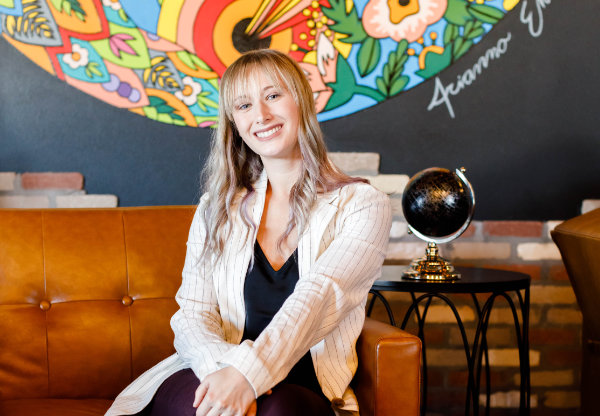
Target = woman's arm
(199,336)
(337,284)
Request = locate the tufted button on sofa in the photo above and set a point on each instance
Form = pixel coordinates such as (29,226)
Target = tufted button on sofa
(86,296)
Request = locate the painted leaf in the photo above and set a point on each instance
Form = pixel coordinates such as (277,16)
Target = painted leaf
(368,56)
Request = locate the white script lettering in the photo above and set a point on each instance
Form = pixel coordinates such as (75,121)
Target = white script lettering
(441,94)
(528,18)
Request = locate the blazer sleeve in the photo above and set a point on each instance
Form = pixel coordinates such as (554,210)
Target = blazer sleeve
(199,337)
(336,284)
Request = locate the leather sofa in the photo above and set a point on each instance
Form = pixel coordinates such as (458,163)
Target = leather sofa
(578,240)
(85,301)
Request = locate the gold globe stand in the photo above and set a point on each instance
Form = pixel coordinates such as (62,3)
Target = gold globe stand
(431,267)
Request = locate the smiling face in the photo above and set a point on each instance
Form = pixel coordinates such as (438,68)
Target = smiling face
(266,117)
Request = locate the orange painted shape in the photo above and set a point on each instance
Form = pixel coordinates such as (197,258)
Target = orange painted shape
(197,73)
(180,108)
(35,53)
(92,22)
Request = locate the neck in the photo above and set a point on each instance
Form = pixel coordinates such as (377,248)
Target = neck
(282,175)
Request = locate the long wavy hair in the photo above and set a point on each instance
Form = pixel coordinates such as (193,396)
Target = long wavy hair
(232,167)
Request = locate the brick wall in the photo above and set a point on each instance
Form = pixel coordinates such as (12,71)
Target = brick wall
(49,190)
(555,319)
(525,246)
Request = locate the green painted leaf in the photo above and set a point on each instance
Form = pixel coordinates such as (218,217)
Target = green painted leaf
(475,33)
(381,86)
(164,108)
(457,13)
(348,24)
(140,60)
(466,45)
(368,56)
(486,14)
(151,112)
(398,85)
(343,87)
(123,15)
(156,101)
(434,63)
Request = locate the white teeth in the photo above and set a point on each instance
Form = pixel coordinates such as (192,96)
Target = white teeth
(267,133)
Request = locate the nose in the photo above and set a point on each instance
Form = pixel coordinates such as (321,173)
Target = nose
(263,113)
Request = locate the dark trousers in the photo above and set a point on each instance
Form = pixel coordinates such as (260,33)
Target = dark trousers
(176,395)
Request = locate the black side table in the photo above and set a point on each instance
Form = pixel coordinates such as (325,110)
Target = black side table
(498,283)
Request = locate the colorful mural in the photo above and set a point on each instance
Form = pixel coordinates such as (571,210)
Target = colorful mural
(163,58)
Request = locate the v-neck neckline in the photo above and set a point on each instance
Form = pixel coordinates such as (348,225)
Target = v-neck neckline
(259,251)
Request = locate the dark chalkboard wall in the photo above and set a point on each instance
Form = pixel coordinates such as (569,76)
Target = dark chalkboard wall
(526,128)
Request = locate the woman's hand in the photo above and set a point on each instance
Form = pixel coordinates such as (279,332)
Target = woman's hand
(225,392)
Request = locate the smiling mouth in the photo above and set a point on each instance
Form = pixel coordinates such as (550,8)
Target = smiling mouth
(265,134)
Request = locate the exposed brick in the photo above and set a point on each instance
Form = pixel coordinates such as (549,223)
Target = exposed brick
(550,225)
(473,250)
(558,273)
(507,399)
(441,400)
(52,180)
(552,336)
(389,184)
(552,295)
(443,314)
(589,205)
(435,335)
(470,231)
(445,357)
(550,378)
(538,251)
(509,357)
(356,163)
(396,204)
(501,315)
(501,337)
(562,399)
(399,229)
(498,379)
(564,316)
(513,228)
(563,357)
(405,251)
(435,378)
(533,270)
(7,181)
(24,201)
(86,201)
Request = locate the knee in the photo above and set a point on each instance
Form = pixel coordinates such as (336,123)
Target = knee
(293,400)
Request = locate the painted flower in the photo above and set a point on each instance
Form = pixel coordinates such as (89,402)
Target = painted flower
(190,91)
(113,4)
(323,72)
(78,57)
(390,18)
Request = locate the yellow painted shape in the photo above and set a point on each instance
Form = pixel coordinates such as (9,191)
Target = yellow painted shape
(231,15)
(510,4)
(258,14)
(168,19)
(432,48)
(398,12)
(310,57)
(36,53)
(342,47)
(197,73)
(179,107)
(91,24)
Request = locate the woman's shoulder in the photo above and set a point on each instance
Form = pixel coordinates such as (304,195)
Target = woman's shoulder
(359,193)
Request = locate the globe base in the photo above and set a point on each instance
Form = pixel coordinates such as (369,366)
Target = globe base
(431,267)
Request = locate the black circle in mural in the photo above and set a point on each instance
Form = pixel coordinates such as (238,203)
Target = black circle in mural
(244,42)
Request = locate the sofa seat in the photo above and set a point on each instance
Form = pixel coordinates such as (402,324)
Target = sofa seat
(54,407)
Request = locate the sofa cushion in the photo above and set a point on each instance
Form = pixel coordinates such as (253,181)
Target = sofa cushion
(54,407)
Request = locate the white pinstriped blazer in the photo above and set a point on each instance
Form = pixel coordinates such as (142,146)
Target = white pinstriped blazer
(340,255)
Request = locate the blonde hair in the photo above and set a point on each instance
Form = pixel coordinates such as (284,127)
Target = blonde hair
(233,167)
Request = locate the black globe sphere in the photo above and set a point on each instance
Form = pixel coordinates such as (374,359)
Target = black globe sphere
(438,204)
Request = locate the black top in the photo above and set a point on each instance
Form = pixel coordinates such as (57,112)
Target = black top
(265,291)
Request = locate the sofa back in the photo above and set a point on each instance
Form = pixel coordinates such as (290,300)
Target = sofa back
(86,296)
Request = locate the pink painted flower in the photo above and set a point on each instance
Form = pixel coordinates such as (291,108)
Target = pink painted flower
(323,72)
(390,18)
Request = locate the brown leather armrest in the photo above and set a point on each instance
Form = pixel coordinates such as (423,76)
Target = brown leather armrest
(388,380)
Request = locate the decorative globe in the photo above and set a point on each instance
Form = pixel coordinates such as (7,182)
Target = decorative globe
(438,204)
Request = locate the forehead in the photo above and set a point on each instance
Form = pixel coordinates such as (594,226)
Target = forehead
(254,80)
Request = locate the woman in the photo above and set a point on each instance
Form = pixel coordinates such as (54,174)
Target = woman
(281,254)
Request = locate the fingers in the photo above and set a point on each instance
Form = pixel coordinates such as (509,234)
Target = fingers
(199,394)
(252,409)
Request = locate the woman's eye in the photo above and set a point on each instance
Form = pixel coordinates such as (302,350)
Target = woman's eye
(272,96)
(243,106)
